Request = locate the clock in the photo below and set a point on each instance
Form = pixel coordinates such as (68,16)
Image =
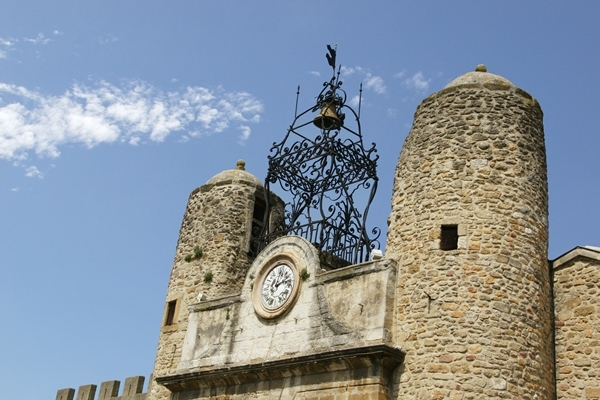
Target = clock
(276,288)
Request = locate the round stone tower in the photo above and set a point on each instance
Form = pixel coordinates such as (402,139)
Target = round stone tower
(214,251)
(469,230)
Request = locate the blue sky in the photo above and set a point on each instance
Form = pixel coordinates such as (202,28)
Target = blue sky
(112,112)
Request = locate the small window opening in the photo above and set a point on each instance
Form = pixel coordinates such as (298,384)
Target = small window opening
(170,312)
(449,237)
(258,217)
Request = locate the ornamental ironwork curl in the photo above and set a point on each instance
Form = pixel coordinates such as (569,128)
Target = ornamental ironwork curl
(326,176)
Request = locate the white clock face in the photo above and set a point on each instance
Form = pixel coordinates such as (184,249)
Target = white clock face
(277,286)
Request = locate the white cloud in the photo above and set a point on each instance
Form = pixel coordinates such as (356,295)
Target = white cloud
(31,122)
(33,172)
(16,189)
(57,32)
(7,42)
(315,73)
(244,135)
(392,112)
(400,74)
(372,82)
(39,39)
(347,71)
(354,101)
(107,39)
(417,82)
(375,83)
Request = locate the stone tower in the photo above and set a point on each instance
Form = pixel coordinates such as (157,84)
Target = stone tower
(213,254)
(469,231)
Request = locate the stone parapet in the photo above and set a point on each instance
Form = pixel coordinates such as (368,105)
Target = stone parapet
(109,390)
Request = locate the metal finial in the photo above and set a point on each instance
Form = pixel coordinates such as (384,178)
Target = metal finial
(359,99)
(297,97)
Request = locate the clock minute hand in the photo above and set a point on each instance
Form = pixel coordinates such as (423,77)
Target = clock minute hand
(279,276)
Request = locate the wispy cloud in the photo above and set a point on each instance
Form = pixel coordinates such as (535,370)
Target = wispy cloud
(347,71)
(33,172)
(400,74)
(246,131)
(375,83)
(372,82)
(7,43)
(31,122)
(417,82)
(315,73)
(39,39)
(57,32)
(104,39)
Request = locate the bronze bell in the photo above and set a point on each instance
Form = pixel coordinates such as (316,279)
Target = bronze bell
(328,118)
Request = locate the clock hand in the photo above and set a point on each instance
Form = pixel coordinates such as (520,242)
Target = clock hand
(279,276)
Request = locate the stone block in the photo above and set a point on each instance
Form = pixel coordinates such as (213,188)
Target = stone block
(86,392)
(65,394)
(133,385)
(109,389)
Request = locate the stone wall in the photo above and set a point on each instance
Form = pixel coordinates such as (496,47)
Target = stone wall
(475,320)
(217,220)
(334,340)
(577,323)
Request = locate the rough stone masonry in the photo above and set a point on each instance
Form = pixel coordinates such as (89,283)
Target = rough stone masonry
(474,319)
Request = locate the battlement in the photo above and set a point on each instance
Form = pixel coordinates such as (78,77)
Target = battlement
(108,390)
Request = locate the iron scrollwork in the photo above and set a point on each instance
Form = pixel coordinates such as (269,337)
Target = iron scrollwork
(326,176)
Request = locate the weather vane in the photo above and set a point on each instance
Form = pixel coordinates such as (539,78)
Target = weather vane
(331,56)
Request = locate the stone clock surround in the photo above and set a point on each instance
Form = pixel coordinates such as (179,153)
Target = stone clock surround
(340,325)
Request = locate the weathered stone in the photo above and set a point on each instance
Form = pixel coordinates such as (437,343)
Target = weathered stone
(576,279)
(496,128)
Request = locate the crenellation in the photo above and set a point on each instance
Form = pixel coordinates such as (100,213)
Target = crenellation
(86,392)
(65,394)
(109,390)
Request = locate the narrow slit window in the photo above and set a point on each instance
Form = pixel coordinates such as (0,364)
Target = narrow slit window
(258,216)
(449,237)
(170,312)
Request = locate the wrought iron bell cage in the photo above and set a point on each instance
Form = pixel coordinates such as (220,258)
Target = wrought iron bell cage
(325,177)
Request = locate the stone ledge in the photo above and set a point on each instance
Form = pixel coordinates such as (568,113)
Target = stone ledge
(214,304)
(354,270)
(578,251)
(343,359)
